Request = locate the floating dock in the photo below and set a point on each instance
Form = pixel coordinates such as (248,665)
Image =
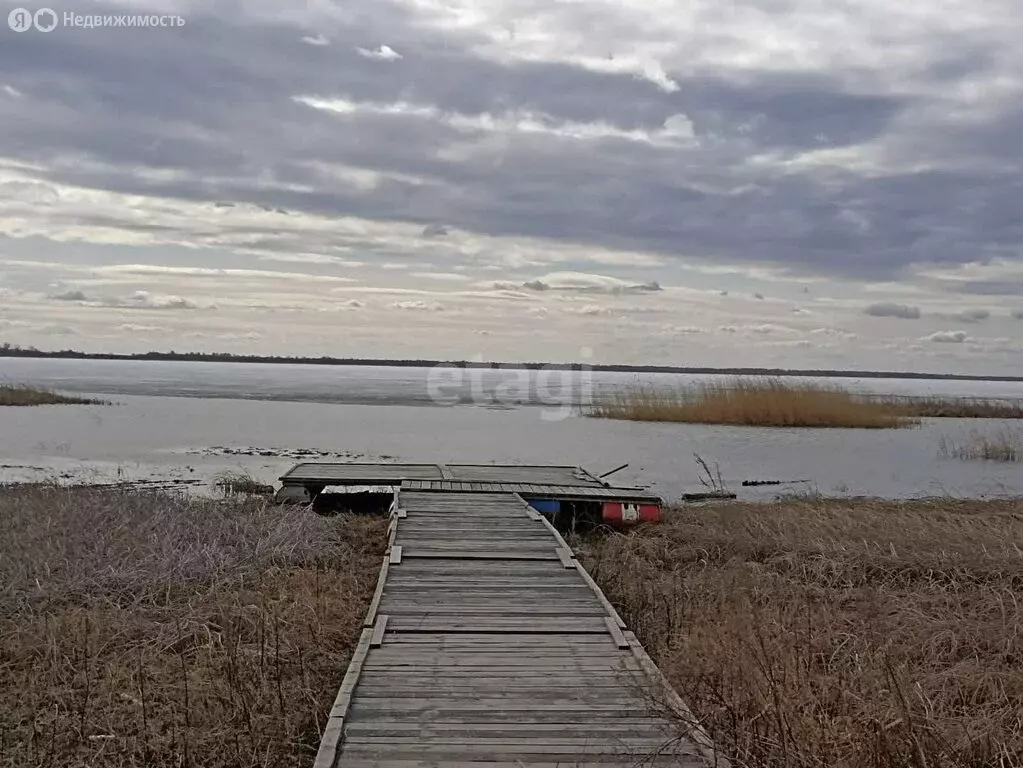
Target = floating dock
(547,487)
(487,645)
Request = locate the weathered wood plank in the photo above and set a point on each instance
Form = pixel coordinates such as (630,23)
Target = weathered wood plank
(490,645)
(374,606)
(378,634)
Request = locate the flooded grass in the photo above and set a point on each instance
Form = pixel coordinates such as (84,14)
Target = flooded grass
(27,396)
(746,402)
(834,633)
(1006,445)
(158,630)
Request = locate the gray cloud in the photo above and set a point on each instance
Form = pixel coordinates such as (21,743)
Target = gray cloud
(1017,314)
(227,122)
(970,316)
(891,309)
(71,296)
(949,337)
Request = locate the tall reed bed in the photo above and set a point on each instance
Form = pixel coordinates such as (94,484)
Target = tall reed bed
(143,629)
(835,633)
(751,402)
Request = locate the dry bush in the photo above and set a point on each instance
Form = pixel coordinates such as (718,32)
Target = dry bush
(1006,445)
(835,633)
(144,629)
(752,402)
(18,395)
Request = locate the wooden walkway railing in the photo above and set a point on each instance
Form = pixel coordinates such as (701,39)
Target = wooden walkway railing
(488,644)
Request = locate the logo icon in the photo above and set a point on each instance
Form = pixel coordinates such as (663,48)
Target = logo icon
(20,20)
(45,19)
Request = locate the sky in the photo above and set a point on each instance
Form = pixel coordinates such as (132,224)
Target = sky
(785,183)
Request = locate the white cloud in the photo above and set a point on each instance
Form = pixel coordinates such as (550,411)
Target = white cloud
(318,40)
(677,130)
(383,53)
(418,306)
(137,328)
(146,300)
(11,91)
(590,309)
(948,337)
(583,282)
(452,277)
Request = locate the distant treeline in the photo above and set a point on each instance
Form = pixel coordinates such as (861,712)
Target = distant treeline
(12,350)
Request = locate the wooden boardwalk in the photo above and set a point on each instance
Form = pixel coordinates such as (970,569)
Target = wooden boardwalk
(488,644)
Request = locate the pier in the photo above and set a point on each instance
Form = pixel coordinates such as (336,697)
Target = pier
(488,645)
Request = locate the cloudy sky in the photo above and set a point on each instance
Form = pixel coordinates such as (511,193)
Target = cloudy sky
(800,183)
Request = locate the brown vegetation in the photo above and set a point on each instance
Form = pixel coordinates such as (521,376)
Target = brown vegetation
(156,630)
(1005,445)
(11,394)
(746,402)
(785,403)
(835,633)
(958,407)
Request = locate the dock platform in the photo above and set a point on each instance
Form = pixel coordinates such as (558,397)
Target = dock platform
(304,482)
(487,645)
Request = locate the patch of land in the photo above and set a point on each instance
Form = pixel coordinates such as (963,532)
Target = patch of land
(834,633)
(788,403)
(153,629)
(11,394)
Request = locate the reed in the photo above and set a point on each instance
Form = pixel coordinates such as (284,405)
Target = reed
(752,402)
(1005,445)
(14,394)
(158,630)
(813,633)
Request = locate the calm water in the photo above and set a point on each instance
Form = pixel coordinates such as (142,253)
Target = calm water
(186,422)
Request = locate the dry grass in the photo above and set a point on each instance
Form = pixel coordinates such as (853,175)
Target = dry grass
(748,402)
(11,394)
(836,634)
(791,403)
(957,407)
(1006,445)
(155,630)
(238,482)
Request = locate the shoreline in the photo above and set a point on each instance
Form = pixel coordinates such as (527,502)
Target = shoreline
(494,365)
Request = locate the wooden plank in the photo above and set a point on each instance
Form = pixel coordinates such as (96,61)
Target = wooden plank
(378,631)
(445,473)
(467,555)
(616,633)
(396,555)
(600,595)
(566,557)
(330,740)
(374,605)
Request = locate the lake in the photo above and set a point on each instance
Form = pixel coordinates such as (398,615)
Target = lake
(184,422)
